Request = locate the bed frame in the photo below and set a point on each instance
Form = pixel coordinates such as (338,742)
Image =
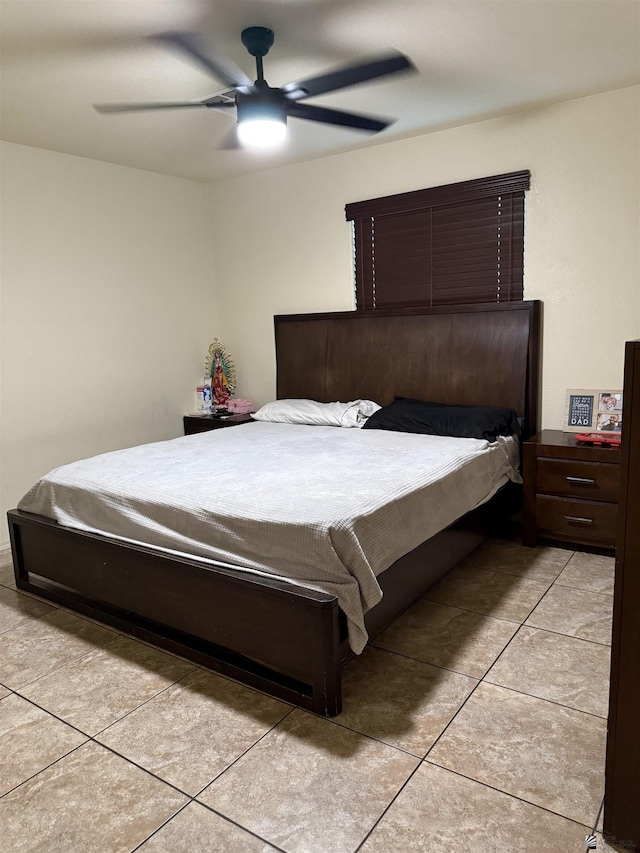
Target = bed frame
(284,639)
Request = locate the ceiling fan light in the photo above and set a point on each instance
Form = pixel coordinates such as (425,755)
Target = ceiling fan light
(262,121)
(261,132)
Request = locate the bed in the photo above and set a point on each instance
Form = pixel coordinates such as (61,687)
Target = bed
(287,637)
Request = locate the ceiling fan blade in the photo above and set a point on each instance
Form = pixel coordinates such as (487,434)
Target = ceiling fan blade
(348,76)
(224,69)
(162,105)
(358,122)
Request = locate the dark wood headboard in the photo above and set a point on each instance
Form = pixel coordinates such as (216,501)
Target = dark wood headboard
(466,354)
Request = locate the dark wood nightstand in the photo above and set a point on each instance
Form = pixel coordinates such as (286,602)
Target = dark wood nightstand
(570,491)
(203,422)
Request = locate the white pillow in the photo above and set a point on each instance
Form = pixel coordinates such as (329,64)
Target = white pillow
(353,414)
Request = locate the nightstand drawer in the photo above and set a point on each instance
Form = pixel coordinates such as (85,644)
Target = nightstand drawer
(204,422)
(596,481)
(576,520)
(191,426)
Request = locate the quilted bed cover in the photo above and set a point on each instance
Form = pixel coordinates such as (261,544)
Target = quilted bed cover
(327,507)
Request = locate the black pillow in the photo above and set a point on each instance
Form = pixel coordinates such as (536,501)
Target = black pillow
(418,416)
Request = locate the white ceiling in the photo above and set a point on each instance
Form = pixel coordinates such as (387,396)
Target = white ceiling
(475,58)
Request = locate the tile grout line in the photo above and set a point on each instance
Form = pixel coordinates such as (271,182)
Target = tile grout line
(46,767)
(248,749)
(428,663)
(462,563)
(481,681)
(513,621)
(506,793)
(388,806)
(509,794)
(75,659)
(437,740)
(89,739)
(193,797)
(423,760)
(544,699)
(334,721)
(73,725)
(584,589)
(190,797)
(571,636)
(594,828)
(420,763)
(142,704)
(162,826)
(426,760)
(522,576)
(213,811)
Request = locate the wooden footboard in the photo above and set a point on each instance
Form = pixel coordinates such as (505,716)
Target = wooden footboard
(267,633)
(287,640)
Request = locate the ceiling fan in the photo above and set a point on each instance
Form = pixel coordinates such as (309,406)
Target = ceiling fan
(262,111)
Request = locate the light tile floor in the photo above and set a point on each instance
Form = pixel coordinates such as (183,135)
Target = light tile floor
(476,721)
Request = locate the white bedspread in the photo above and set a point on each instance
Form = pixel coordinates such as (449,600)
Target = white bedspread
(328,507)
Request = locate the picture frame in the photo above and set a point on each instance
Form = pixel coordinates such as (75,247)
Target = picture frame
(593,410)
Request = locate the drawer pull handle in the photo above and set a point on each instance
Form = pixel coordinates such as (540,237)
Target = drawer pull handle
(578,519)
(583,481)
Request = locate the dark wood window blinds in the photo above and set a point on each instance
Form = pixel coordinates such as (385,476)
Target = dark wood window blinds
(456,244)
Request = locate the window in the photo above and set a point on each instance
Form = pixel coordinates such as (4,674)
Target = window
(455,244)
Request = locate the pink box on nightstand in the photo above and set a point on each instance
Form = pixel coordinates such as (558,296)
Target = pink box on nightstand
(239,407)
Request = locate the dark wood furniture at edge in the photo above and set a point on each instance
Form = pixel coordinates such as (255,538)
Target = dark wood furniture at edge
(282,638)
(570,491)
(203,422)
(622,776)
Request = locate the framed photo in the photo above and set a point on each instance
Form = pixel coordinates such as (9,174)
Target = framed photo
(592,410)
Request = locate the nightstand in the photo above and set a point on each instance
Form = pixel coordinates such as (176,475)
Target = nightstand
(570,491)
(203,422)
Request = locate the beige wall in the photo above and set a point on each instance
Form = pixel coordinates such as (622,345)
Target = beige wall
(282,244)
(109,299)
(108,307)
